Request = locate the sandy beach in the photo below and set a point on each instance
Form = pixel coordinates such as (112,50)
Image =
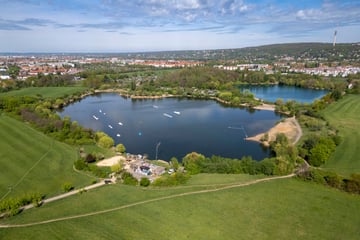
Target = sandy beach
(110,161)
(290,127)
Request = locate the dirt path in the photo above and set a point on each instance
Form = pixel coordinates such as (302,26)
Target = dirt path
(147,201)
(68,194)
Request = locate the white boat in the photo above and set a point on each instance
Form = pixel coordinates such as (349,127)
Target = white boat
(167,115)
(176,112)
(154,106)
(118,135)
(100,110)
(110,126)
(95,117)
(120,123)
(104,113)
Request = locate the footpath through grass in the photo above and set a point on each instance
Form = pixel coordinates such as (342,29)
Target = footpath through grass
(278,209)
(46,92)
(345,116)
(32,162)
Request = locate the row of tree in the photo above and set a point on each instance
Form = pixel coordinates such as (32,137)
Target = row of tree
(350,184)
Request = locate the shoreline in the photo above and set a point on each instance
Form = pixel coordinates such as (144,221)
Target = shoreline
(290,127)
(263,106)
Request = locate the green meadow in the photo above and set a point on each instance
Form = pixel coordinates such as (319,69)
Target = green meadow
(33,162)
(278,209)
(344,115)
(45,92)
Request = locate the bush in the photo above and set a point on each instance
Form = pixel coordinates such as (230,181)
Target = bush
(80,164)
(128,179)
(144,182)
(175,179)
(90,158)
(67,187)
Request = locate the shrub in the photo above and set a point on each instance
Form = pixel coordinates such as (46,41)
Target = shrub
(67,187)
(90,158)
(144,182)
(128,179)
(80,164)
(171,180)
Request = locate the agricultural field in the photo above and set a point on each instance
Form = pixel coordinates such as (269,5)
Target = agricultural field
(45,92)
(345,116)
(33,162)
(277,209)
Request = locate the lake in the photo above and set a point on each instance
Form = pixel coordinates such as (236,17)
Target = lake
(272,92)
(173,127)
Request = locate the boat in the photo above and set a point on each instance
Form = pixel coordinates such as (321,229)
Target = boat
(118,135)
(120,123)
(167,115)
(100,110)
(177,113)
(154,106)
(110,126)
(95,117)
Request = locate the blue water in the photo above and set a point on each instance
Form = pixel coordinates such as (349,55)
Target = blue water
(273,92)
(203,126)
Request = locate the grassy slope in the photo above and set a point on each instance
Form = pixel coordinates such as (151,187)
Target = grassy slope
(30,161)
(345,116)
(281,209)
(46,92)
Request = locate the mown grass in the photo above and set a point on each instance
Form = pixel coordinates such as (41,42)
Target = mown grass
(32,162)
(280,209)
(45,92)
(345,116)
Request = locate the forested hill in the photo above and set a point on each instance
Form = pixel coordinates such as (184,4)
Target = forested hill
(318,51)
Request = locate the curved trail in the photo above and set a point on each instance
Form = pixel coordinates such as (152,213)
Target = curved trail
(145,202)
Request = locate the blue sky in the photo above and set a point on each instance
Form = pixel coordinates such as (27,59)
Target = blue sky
(153,25)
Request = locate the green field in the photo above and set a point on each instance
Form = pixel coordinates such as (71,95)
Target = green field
(32,162)
(279,209)
(46,92)
(345,116)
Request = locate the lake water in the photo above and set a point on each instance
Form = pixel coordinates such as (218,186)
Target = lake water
(272,92)
(174,126)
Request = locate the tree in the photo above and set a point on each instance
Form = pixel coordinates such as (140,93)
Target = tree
(106,142)
(174,163)
(144,182)
(192,162)
(90,158)
(67,187)
(116,168)
(120,148)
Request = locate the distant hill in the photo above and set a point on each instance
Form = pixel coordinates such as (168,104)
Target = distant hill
(317,51)
(299,51)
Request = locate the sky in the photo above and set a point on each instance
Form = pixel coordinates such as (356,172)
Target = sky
(161,25)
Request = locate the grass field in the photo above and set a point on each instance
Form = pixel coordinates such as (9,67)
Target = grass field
(46,92)
(280,209)
(32,162)
(345,116)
